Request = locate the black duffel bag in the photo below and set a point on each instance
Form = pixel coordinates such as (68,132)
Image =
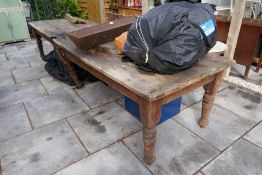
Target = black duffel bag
(171,37)
(57,70)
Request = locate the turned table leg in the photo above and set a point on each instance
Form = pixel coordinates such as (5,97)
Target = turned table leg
(150,115)
(39,43)
(70,68)
(259,63)
(247,72)
(209,98)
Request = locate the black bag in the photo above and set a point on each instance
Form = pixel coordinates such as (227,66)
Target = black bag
(171,37)
(56,69)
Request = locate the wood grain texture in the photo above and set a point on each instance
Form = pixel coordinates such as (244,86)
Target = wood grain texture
(259,63)
(50,29)
(39,43)
(150,115)
(209,98)
(92,36)
(150,86)
(57,27)
(238,14)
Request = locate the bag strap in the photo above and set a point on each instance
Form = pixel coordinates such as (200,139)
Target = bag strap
(203,34)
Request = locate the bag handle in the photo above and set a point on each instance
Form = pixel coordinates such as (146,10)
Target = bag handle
(203,34)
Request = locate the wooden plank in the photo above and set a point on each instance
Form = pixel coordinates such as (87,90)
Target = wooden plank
(145,6)
(234,29)
(93,9)
(92,36)
(57,27)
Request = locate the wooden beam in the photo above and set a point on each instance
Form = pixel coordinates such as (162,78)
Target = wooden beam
(145,6)
(237,17)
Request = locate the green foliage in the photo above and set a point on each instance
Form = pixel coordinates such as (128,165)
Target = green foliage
(55,9)
(74,9)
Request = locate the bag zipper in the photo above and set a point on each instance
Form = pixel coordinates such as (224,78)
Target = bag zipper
(141,36)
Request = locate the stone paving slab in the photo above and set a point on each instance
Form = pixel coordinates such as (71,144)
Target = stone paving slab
(97,94)
(42,151)
(224,126)
(29,73)
(114,160)
(47,49)
(2,57)
(238,71)
(193,97)
(52,85)
(35,60)
(177,150)
(8,49)
(199,173)
(10,95)
(55,107)
(14,64)
(255,135)
(243,158)
(121,102)
(197,95)
(13,121)
(29,47)
(182,107)
(21,54)
(6,78)
(46,42)
(103,126)
(243,103)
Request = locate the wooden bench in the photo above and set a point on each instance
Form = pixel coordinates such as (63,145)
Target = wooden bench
(50,29)
(149,90)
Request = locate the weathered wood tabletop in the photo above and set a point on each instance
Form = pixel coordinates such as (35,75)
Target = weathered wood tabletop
(50,29)
(149,90)
(151,86)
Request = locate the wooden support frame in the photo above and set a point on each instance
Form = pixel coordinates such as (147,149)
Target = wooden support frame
(145,6)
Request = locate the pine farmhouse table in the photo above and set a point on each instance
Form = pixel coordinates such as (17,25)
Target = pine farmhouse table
(149,90)
(50,29)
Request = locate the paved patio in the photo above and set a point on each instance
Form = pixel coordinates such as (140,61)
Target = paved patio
(47,127)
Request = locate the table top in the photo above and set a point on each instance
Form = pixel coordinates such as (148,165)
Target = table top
(57,27)
(150,86)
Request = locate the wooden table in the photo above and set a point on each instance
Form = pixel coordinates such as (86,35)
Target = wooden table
(249,43)
(50,29)
(149,90)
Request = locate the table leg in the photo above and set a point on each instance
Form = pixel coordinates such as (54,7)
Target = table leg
(209,98)
(247,71)
(39,43)
(150,115)
(259,63)
(70,68)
